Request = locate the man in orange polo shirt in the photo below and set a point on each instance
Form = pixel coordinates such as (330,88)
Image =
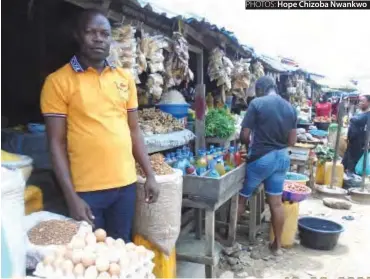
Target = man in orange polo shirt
(90,110)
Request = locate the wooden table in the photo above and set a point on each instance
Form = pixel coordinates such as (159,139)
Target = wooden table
(210,254)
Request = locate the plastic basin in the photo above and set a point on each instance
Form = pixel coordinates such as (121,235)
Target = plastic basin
(318,233)
(296,177)
(323,126)
(177,111)
(296,197)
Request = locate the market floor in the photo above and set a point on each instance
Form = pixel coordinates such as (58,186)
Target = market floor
(350,258)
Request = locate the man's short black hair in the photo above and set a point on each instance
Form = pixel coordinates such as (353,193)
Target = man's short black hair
(85,16)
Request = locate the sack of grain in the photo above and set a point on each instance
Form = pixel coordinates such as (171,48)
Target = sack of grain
(12,217)
(53,228)
(160,222)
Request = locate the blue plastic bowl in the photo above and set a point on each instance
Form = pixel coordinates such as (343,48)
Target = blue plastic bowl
(178,111)
(296,177)
(36,128)
(319,233)
(318,133)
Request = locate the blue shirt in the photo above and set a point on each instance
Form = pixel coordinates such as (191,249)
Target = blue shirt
(270,118)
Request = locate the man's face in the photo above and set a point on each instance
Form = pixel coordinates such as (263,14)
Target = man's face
(95,38)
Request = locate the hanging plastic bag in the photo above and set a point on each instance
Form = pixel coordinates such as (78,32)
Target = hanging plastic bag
(360,165)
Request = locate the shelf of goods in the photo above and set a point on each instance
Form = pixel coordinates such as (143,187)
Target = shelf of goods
(162,142)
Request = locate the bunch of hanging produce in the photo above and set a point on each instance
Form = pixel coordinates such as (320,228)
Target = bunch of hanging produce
(123,49)
(219,124)
(152,48)
(220,68)
(153,121)
(241,78)
(177,62)
(155,85)
(257,71)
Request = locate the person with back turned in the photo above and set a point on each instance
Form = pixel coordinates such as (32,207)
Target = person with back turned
(90,111)
(272,122)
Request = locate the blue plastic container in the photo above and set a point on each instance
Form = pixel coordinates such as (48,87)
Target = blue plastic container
(36,128)
(319,233)
(296,177)
(177,111)
(318,133)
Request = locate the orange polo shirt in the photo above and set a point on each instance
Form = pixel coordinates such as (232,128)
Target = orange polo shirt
(98,136)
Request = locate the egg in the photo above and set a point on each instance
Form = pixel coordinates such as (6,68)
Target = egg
(58,263)
(77,256)
(91,272)
(68,254)
(104,275)
(101,248)
(100,235)
(124,262)
(78,243)
(67,267)
(120,242)
(79,270)
(110,241)
(90,239)
(114,277)
(114,269)
(58,272)
(130,246)
(90,248)
(48,260)
(60,252)
(102,264)
(49,270)
(113,256)
(88,259)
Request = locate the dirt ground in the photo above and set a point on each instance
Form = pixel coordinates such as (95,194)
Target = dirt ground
(350,258)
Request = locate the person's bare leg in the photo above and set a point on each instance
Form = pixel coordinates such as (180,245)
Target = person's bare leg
(277,220)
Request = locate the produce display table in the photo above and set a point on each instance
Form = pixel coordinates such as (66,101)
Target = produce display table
(208,195)
(299,156)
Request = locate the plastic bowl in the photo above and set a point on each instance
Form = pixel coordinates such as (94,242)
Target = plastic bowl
(177,111)
(36,128)
(322,126)
(296,197)
(296,177)
(319,233)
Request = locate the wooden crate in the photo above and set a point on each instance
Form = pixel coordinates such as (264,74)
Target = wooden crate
(213,189)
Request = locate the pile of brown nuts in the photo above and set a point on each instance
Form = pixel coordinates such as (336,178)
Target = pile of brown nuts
(160,167)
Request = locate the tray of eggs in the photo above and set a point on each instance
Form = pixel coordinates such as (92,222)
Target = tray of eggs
(94,255)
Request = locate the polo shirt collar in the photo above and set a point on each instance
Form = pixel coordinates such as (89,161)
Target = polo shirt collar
(77,67)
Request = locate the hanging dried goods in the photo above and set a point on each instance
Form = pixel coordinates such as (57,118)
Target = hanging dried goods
(220,68)
(160,167)
(173,97)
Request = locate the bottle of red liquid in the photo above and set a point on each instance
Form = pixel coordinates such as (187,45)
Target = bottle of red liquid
(237,157)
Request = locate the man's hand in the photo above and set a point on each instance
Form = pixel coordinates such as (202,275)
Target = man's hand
(80,210)
(151,189)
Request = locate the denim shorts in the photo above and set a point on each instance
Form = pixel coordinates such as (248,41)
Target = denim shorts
(270,170)
(114,210)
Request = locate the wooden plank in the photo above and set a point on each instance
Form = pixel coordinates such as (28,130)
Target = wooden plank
(105,5)
(233,215)
(200,110)
(198,217)
(196,259)
(252,218)
(210,241)
(195,49)
(200,67)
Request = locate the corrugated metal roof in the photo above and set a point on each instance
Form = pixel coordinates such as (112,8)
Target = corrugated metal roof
(276,65)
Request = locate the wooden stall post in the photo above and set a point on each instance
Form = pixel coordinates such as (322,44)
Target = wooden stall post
(200,106)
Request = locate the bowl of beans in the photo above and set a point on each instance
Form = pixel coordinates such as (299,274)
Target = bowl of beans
(295,192)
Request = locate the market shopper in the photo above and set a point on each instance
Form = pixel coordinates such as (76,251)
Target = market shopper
(272,122)
(356,135)
(323,107)
(90,110)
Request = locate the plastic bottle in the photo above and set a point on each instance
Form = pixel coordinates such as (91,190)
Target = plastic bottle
(219,151)
(237,158)
(220,167)
(191,158)
(210,100)
(210,158)
(231,157)
(214,174)
(201,163)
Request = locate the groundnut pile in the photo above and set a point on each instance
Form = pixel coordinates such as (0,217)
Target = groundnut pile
(295,187)
(53,232)
(160,167)
(95,256)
